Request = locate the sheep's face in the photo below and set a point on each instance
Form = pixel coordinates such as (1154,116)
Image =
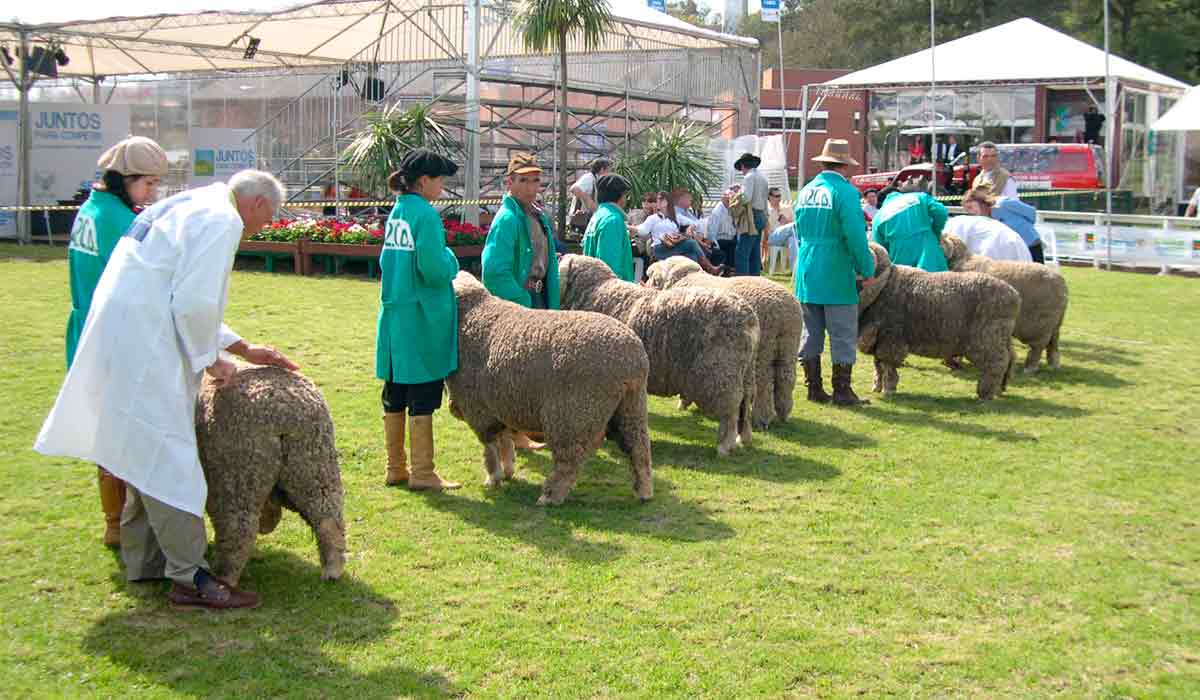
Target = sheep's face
(955,250)
(469,290)
(580,272)
(883,270)
(665,274)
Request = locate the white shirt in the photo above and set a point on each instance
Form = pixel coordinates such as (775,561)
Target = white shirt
(685,218)
(1195,201)
(586,184)
(657,227)
(777,216)
(754,189)
(719,224)
(990,238)
(158,307)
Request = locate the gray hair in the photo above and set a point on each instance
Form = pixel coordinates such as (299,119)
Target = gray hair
(988,144)
(256,183)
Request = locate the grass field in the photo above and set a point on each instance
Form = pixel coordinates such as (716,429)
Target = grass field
(1044,544)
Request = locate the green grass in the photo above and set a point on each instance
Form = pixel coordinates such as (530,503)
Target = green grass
(1044,544)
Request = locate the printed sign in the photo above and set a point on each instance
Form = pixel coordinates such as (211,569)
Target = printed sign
(770,10)
(67,141)
(219,153)
(660,5)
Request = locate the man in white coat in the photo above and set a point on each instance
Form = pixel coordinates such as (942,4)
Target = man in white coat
(129,398)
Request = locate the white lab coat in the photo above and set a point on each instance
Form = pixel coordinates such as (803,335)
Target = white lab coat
(128,401)
(988,237)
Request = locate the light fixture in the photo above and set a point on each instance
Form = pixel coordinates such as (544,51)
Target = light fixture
(251,48)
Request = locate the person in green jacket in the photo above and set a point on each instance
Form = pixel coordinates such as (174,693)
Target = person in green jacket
(519,259)
(909,225)
(832,253)
(607,234)
(132,171)
(416,342)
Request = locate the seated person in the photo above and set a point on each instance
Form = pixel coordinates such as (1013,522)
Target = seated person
(687,218)
(718,226)
(667,240)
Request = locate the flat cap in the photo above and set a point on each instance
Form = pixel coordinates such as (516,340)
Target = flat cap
(423,161)
(136,155)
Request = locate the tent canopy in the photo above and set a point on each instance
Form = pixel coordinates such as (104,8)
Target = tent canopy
(1002,55)
(1184,116)
(135,37)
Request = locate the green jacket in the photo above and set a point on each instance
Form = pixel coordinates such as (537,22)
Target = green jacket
(100,223)
(417,336)
(508,254)
(608,239)
(832,236)
(909,225)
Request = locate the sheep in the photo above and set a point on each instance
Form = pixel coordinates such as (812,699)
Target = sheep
(576,377)
(700,342)
(266,441)
(937,314)
(1043,298)
(780,326)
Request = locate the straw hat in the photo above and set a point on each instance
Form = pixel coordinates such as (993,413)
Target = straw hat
(136,155)
(836,151)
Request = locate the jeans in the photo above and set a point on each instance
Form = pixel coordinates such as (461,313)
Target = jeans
(748,256)
(1038,253)
(687,248)
(840,321)
(729,248)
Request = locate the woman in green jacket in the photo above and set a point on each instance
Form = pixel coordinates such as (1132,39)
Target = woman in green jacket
(607,234)
(132,171)
(416,344)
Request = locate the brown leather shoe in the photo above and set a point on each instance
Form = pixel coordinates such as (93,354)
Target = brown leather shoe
(213,595)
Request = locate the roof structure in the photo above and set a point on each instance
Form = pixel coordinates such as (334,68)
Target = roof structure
(1184,116)
(973,60)
(134,37)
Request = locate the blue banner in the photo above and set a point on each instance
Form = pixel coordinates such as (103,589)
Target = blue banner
(770,10)
(660,5)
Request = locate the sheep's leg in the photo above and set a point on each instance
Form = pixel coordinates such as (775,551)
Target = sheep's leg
(492,464)
(508,455)
(633,437)
(994,371)
(727,434)
(877,386)
(331,543)
(764,385)
(1053,359)
(313,484)
(684,404)
(1033,359)
(236,515)
(887,378)
(785,377)
(272,512)
(562,479)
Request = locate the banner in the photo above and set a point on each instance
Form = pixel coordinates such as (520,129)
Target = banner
(1150,245)
(219,153)
(660,5)
(770,10)
(67,141)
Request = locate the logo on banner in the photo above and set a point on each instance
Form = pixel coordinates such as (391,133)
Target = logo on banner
(205,163)
(222,162)
(770,10)
(8,158)
(69,127)
(660,5)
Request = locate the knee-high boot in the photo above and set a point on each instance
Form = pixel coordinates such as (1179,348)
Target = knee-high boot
(397,466)
(423,476)
(112,501)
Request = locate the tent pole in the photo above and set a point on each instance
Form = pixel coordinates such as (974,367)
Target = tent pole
(783,106)
(801,167)
(25,144)
(932,99)
(1109,99)
(471,135)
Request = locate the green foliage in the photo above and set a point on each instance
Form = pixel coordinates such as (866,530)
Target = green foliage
(674,156)
(378,147)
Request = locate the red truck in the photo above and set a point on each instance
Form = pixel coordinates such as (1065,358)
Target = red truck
(1035,166)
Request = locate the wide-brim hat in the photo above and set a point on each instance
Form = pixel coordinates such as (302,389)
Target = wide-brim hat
(836,151)
(747,160)
(522,163)
(136,155)
(423,161)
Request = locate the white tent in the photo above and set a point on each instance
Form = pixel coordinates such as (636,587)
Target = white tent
(1184,116)
(1020,51)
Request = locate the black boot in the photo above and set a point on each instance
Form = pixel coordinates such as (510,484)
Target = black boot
(812,377)
(843,394)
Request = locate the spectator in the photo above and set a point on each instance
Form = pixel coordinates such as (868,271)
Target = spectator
(583,204)
(777,215)
(916,150)
(993,174)
(719,226)
(948,151)
(667,240)
(748,256)
(870,205)
(1093,121)
(1014,213)
(649,207)
(1193,207)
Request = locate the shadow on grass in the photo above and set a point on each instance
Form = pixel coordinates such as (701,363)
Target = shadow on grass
(602,501)
(1071,375)
(701,431)
(1010,402)
(748,462)
(274,651)
(1102,354)
(923,418)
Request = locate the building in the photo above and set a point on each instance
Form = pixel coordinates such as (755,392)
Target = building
(832,114)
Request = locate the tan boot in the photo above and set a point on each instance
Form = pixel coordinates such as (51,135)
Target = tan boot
(423,476)
(112,501)
(397,467)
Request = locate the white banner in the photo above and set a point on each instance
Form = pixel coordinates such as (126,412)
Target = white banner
(1130,244)
(219,153)
(67,141)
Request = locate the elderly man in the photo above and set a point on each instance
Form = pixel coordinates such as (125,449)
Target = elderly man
(719,227)
(128,401)
(832,253)
(992,174)
(748,256)
(519,261)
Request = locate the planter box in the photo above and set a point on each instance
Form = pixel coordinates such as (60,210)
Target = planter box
(270,250)
(467,251)
(337,252)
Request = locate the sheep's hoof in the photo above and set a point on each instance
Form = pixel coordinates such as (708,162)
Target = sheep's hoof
(493,483)
(331,575)
(889,393)
(548,500)
(1029,371)
(724,450)
(683,404)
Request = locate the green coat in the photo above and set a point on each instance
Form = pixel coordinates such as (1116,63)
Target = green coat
(608,239)
(909,225)
(100,223)
(832,236)
(417,336)
(508,254)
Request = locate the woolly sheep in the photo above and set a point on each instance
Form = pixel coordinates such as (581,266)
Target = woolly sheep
(937,314)
(700,342)
(780,326)
(576,377)
(266,441)
(1043,298)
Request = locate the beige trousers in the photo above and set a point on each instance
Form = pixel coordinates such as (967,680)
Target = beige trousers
(160,541)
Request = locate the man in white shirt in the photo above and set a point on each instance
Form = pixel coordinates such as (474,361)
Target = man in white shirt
(128,400)
(719,228)
(748,258)
(1194,204)
(584,193)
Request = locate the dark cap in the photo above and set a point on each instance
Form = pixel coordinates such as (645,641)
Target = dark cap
(522,163)
(423,161)
(748,160)
(610,188)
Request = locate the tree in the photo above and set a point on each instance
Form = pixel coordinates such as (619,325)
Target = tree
(379,146)
(547,24)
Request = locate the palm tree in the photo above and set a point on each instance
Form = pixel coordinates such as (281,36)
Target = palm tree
(379,146)
(548,24)
(674,156)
